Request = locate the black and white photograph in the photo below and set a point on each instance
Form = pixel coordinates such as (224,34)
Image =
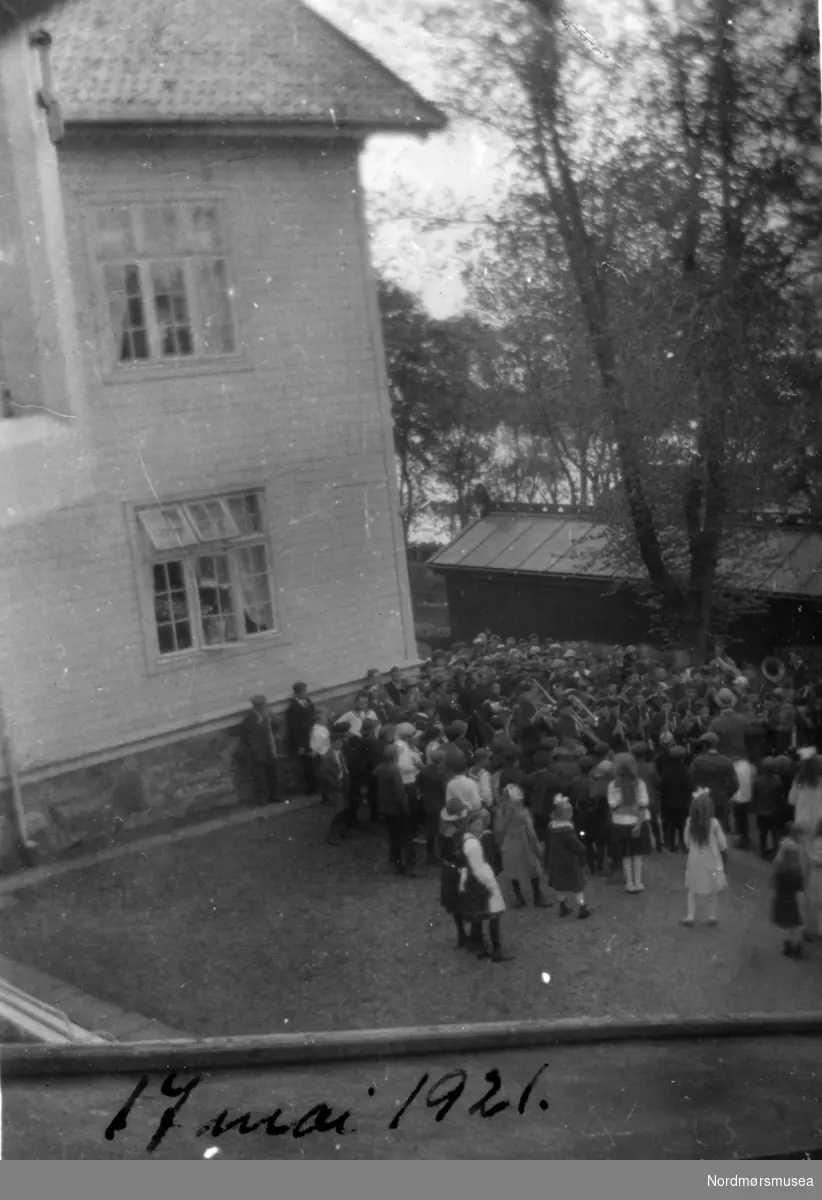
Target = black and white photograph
(411,584)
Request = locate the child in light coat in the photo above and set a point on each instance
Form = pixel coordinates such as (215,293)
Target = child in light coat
(519,847)
(707,854)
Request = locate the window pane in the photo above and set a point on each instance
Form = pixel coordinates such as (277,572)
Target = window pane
(171,608)
(167,528)
(255,589)
(113,235)
(246,513)
(127,312)
(216,601)
(161,229)
(171,309)
(214,298)
(212,520)
(175,575)
(204,229)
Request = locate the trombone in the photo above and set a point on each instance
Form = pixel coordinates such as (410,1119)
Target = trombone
(582,708)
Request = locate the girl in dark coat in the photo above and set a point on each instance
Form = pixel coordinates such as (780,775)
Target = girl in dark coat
(566,861)
(788,882)
(453,863)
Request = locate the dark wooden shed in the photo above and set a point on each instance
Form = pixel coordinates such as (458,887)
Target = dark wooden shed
(520,570)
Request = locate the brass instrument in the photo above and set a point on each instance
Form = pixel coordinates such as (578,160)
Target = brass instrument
(582,708)
(773,669)
(550,702)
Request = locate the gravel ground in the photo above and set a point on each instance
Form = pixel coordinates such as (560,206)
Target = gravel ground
(266,928)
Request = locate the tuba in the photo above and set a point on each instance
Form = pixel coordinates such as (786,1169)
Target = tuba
(773,669)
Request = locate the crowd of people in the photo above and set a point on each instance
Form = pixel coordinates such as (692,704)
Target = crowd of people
(510,762)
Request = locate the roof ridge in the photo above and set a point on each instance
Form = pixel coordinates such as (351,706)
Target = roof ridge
(377,62)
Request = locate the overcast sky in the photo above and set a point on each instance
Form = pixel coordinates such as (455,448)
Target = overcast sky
(465,163)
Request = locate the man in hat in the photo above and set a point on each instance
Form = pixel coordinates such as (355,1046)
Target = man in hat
(300,716)
(258,749)
(731,725)
(393,687)
(333,780)
(716,772)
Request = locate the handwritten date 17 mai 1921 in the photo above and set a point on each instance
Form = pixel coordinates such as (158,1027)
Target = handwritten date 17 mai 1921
(441,1095)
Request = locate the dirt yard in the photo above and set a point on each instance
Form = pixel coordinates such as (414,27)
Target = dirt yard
(266,928)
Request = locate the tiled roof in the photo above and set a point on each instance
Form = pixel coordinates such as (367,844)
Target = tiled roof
(786,562)
(164,61)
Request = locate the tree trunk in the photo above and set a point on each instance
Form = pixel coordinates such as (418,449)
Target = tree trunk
(567,206)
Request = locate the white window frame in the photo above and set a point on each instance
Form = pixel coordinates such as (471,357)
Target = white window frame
(157,363)
(192,548)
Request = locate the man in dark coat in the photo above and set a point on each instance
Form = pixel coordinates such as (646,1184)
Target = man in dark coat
(456,735)
(675,793)
(431,784)
(300,716)
(716,772)
(393,804)
(372,757)
(359,758)
(258,752)
(592,813)
(731,726)
(541,787)
(393,687)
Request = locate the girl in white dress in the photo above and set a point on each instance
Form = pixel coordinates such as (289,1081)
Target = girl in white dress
(707,851)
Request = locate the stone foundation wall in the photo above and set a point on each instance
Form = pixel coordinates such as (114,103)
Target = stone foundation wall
(93,807)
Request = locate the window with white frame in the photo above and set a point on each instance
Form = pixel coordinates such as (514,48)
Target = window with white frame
(166,281)
(209,571)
